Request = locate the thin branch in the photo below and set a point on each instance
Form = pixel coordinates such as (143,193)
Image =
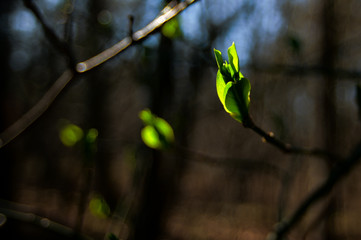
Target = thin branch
(233,163)
(43,222)
(337,173)
(167,14)
(286,147)
(35,112)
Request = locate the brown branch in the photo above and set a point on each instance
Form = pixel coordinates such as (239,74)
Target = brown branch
(337,173)
(35,112)
(233,163)
(286,147)
(29,217)
(167,14)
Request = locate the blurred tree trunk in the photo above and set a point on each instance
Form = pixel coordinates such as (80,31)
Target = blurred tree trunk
(148,220)
(95,174)
(98,93)
(329,57)
(6,156)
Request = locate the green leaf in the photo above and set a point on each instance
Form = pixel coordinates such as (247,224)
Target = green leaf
(233,60)
(233,89)
(219,58)
(232,105)
(171,29)
(157,133)
(150,137)
(70,134)
(220,85)
(146,116)
(245,86)
(98,207)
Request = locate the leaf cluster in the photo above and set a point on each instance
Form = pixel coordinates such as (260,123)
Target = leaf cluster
(157,133)
(233,88)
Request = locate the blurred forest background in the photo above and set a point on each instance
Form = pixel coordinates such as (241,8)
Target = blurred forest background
(303,59)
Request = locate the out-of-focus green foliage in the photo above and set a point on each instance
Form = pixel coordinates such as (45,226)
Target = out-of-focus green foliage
(171,29)
(98,207)
(233,88)
(111,236)
(70,134)
(157,133)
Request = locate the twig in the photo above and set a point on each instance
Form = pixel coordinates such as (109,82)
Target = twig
(286,147)
(336,174)
(42,222)
(234,163)
(167,14)
(35,112)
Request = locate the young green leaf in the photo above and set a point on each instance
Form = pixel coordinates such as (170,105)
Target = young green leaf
(233,60)
(157,133)
(233,89)
(220,85)
(219,58)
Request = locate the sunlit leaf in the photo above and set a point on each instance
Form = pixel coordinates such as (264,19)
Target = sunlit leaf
(220,85)
(70,134)
(230,102)
(245,86)
(98,207)
(164,129)
(157,133)
(233,60)
(233,89)
(219,58)
(150,137)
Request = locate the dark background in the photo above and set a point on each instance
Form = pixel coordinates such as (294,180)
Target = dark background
(221,181)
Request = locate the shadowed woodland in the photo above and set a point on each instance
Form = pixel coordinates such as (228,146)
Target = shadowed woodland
(75,76)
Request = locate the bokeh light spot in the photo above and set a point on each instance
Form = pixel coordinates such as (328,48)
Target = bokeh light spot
(104,17)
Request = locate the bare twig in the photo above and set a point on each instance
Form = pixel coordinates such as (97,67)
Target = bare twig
(233,163)
(168,13)
(28,217)
(336,174)
(35,112)
(286,147)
